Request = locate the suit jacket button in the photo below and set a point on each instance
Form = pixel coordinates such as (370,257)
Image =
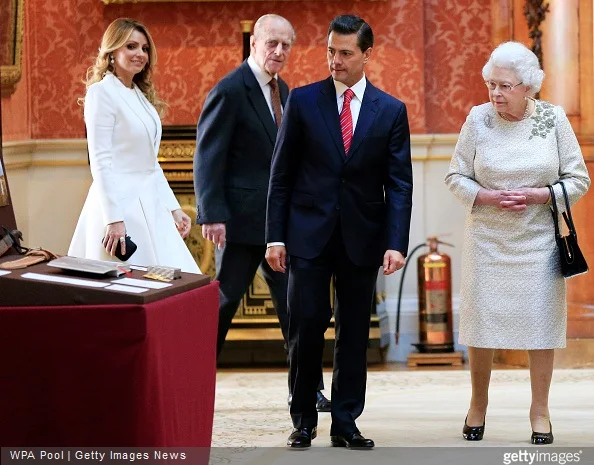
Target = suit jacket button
(337,207)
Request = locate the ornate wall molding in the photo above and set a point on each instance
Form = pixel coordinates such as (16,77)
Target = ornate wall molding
(51,152)
(178,156)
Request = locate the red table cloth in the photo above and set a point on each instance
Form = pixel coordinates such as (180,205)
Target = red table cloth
(110,375)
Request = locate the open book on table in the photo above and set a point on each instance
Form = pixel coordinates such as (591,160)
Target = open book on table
(86,265)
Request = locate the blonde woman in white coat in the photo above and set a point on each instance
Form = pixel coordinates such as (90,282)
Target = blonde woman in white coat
(129,194)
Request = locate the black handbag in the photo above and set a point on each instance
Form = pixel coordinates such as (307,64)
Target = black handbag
(572,259)
(11,239)
(130,249)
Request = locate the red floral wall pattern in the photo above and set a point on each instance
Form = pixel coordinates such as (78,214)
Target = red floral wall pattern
(425,54)
(457,45)
(15,109)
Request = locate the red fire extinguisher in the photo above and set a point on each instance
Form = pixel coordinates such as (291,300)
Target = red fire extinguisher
(434,280)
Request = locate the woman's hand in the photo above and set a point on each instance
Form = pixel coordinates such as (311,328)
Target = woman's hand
(512,200)
(114,235)
(183,223)
(533,195)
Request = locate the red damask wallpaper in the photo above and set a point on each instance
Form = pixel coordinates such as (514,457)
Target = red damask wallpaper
(428,53)
(15,109)
(457,45)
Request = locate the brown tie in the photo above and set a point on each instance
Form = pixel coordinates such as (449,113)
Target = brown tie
(276,101)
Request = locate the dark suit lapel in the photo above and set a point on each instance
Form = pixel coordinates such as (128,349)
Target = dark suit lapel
(256,98)
(329,108)
(366,117)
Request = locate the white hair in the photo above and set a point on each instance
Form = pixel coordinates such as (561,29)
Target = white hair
(518,58)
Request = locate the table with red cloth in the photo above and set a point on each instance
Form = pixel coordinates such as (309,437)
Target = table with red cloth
(129,375)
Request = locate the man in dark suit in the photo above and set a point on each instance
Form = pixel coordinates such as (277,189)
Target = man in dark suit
(339,203)
(235,139)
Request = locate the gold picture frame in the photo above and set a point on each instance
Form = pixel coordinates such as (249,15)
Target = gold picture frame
(11,44)
(3,187)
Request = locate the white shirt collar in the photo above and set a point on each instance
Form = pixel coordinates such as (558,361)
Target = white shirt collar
(262,76)
(358,88)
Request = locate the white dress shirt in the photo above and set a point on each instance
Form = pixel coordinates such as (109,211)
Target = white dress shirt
(359,90)
(263,79)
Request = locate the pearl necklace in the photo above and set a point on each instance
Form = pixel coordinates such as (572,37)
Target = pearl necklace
(526,113)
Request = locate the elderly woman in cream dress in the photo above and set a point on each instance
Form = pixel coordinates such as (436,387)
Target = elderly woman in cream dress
(513,293)
(129,194)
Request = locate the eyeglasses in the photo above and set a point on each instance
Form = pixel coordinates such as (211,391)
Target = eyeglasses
(505,88)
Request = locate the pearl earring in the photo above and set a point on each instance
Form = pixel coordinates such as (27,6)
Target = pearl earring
(111,60)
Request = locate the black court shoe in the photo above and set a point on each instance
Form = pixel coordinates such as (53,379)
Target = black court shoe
(542,438)
(473,433)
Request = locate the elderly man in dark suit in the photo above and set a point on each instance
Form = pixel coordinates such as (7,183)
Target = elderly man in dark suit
(235,138)
(339,203)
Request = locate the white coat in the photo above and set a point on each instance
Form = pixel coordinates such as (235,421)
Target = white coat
(124,133)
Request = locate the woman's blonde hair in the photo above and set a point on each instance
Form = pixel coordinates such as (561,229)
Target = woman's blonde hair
(115,36)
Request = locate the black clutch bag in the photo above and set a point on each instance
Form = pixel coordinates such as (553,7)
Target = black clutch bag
(572,259)
(130,249)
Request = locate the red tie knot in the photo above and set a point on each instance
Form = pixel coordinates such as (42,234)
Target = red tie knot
(348,95)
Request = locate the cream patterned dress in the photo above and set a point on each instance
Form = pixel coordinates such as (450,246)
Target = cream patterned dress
(512,292)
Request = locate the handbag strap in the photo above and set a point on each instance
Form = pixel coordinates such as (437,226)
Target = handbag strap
(554,211)
(566,214)
(12,239)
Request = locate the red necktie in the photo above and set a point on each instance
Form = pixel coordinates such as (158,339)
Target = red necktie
(346,120)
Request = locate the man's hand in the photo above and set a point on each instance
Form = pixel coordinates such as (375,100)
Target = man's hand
(393,260)
(215,232)
(276,256)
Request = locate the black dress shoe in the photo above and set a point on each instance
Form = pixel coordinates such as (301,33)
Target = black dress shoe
(543,438)
(301,438)
(473,433)
(323,404)
(352,441)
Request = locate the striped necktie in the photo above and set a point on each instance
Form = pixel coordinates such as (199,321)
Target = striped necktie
(346,120)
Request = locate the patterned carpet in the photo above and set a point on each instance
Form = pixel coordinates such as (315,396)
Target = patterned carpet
(403,409)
